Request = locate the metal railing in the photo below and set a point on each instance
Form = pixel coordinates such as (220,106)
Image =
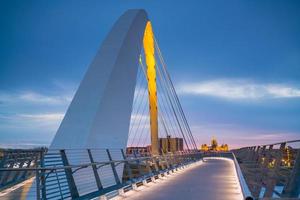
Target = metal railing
(271,170)
(90,173)
(18,158)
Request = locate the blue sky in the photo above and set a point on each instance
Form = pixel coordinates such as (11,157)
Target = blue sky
(235,64)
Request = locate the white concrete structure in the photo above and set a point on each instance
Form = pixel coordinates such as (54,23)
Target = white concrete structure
(99,114)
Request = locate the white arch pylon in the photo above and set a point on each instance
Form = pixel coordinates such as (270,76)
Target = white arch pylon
(99,114)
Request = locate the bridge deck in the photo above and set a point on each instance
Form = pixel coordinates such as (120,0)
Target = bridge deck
(213,179)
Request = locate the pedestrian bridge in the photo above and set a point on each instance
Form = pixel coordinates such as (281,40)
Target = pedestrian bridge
(112,112)
(190,176)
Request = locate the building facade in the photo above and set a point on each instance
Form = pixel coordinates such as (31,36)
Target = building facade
(169,144)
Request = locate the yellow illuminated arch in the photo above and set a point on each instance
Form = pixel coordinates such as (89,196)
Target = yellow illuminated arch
(149,50)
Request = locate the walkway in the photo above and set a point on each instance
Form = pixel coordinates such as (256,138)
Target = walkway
(213,179)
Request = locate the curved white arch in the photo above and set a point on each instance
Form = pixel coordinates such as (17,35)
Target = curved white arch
(99,114)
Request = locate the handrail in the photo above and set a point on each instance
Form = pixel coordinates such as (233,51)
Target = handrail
(155,166)
(277,143)
(244,186)
(269,163)
(94,163)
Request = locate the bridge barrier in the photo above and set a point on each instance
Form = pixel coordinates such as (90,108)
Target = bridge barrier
(76,174)
(271,170)
(18,158)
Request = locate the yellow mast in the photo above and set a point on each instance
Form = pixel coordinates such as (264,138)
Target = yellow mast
(149,50)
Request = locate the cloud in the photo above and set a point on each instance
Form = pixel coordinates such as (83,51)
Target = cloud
(43,99)
(42,117)
(34,98)
(238,89)
(28,116)
(283,91)
(29,121)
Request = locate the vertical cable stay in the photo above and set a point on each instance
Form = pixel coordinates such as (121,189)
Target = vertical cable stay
(140,117)
(168,95)
(163,79)
(171,118)
(143,130)
(163,108)
(174,112)
(139,107)
(174,92)
(136,97)
(177,115)
(159,113)
(168,112)
(139,128)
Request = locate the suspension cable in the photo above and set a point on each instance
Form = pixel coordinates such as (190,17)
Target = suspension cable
(174,93)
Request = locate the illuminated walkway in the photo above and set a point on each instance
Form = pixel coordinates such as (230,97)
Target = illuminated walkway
(213,179)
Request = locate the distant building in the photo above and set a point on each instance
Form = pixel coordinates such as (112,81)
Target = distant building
(138,151)
(204,147)
(169,144)
(166,145)
(214,146)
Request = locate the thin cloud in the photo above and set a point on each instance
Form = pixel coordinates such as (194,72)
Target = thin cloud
(31,121)
(237,89)
(34,98)
(42,117)
(29,116)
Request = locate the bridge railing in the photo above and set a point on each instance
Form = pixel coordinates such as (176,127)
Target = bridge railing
(272,170)
(89,173)
(18,158)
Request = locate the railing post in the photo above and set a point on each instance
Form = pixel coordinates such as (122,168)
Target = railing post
(128,169)
(262,155)
(256,154)
(268,156)
(138,164)
(69,175)
(249,153)
(96,175)
(273,179)
(43,181)
(148,166)
(155,164)
(252,158)
(37,178)
(166,160)
(113,168)
(292,188)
